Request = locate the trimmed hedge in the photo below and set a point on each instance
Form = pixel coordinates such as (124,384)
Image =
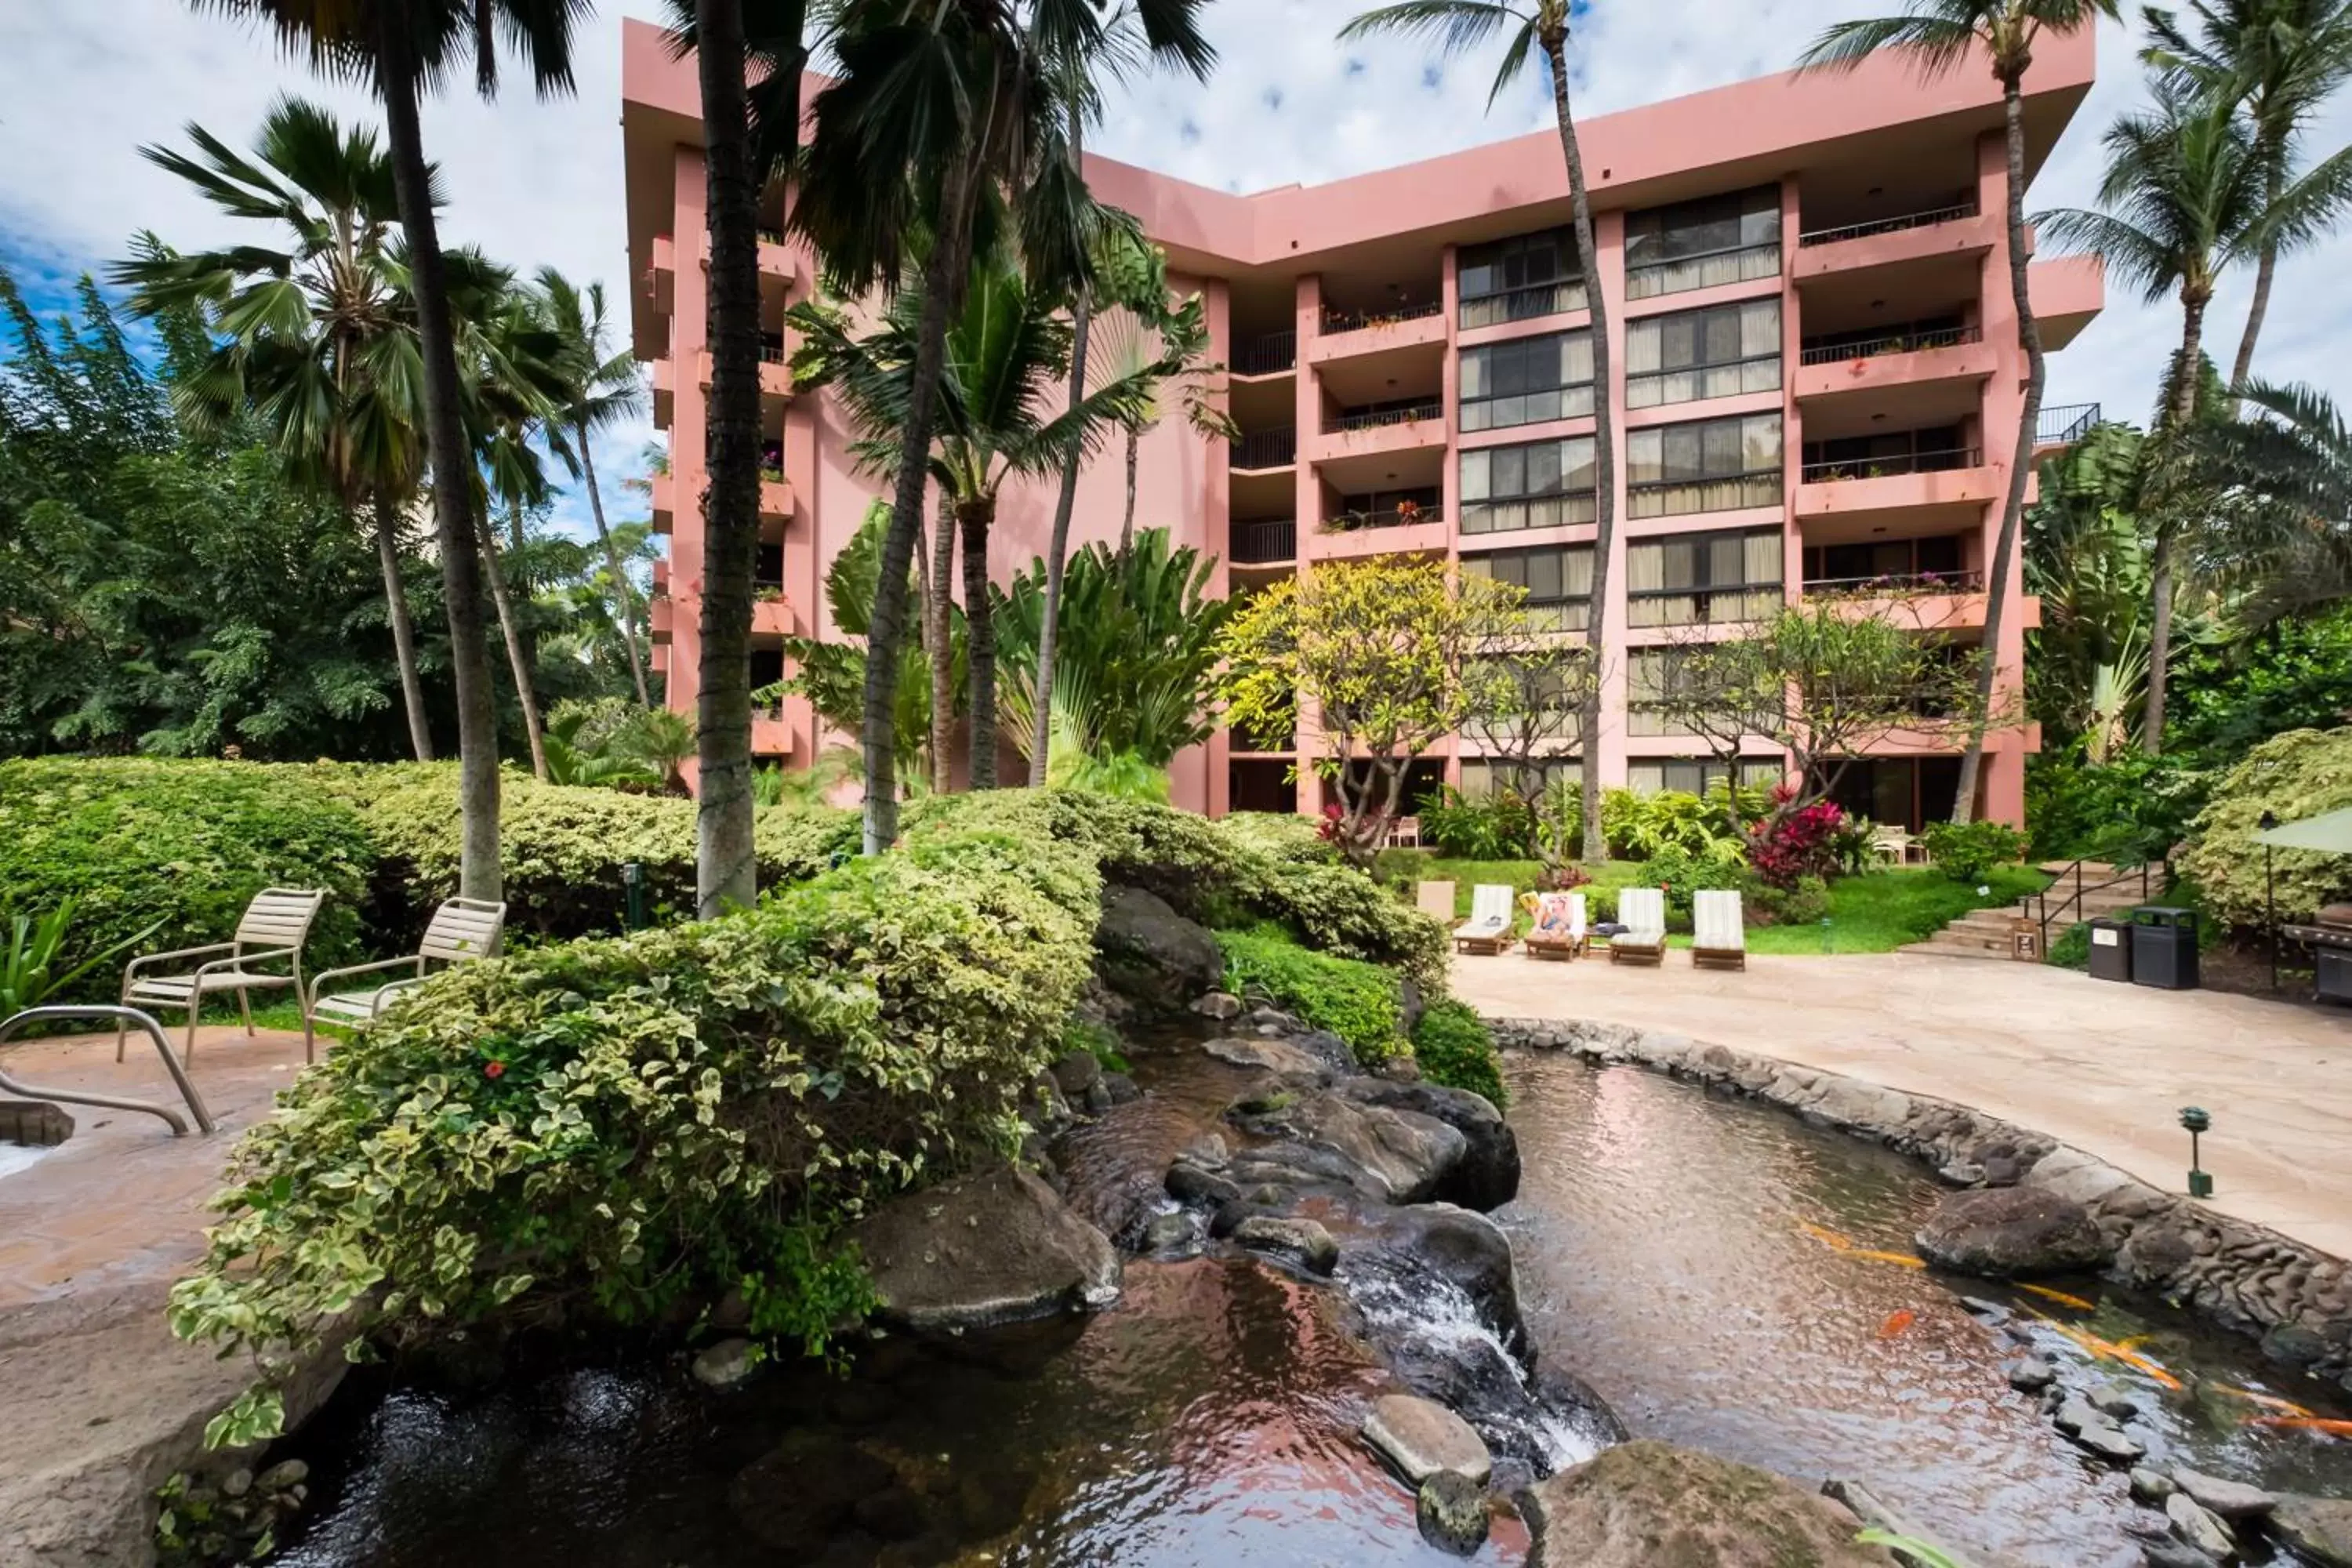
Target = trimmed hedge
(1454,1047)
(1355,1000)
(2300,774)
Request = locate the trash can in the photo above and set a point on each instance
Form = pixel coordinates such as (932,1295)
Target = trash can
(2111,950)
(2163,948)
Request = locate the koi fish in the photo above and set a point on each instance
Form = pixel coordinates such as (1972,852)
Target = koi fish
(2321,1425)
(2109,1350)
(1837,1242)
(2267,1401)
(1827,1238)
(1900,1259)
(1896,1322)
(2063,1300)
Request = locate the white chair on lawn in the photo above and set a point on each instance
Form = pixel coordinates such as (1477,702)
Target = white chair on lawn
(462,930)
(1642,913)
(1492,916)
(1718,931)
(271,931)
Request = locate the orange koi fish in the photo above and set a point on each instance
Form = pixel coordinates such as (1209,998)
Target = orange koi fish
(2267,1401)
(1900,1259)
(2109,1350)
(1896,1322)
(1827,1238)
(2322,1425)
(2063,1300)
(1837,1242)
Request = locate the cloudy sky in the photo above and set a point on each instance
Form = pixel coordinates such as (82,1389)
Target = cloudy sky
(82,87)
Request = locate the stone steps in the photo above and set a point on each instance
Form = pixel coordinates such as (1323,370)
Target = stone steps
(1986,933)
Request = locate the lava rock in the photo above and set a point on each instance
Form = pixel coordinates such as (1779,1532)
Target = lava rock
(1390,1156)
(2150,1487)
(1151,955)
(1122,1089)
(1452,1511)
(2198,1528)
(2030,1375)
(1190,1184)
(2113,1400)
(1960,1173)
(1077,1073)
(2319,1528)
(1097,1098)
(726,1363)
(1169,1232)
(798,1494)
(2012,1231)
(1642,1504)
(1045,1107)
(1466,1250)
(2295,1344)
(1301,1241)
(1284,1058)
(2093,1429)
(2175,1554)
(1488,1175)
(1421,1437)
(1220,1005)
(2227,1498)
(995,1246)
(1992,1314)
(1270,1021)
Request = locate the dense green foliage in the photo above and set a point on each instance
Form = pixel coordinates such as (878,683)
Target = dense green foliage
(1454,1047)
(1970,851)
(1506,824)
(2129,811)
(2300,774)
(1356,1000)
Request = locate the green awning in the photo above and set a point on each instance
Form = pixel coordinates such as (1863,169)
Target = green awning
(2329,833)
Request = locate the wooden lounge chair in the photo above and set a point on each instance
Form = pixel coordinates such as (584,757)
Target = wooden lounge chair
(1718,933)
(1642,913)
(461,931)
(271,931)
(1434,900)
(1488,929)
(1560,930)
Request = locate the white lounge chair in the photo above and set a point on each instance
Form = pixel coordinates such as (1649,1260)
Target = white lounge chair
(1488,929)
(1560,930)
(1719,932)
(271,931)
(461,931)
(1434,900)
(1642,913)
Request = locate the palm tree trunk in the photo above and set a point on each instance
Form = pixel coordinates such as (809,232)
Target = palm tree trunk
(623,592)
(1081,320)
(726,871)
(2187,376)
(938,605)
(1127,525)
(518,656)
(976,518)
(469,657)
(404,631)
(2265,270)
(2020,464)
(1604,440)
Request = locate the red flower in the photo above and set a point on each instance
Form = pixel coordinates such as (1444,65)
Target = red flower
(494,1069)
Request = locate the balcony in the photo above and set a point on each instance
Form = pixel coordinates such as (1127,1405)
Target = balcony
(1359,449)
(772,736)
(1407,528)
(1273,353)
(661,614)
(665,490)
(1391,332)
(2068,292)
(1921,601)
(665,379)
(2064,426)
(772,613)
(775,495)
(775,372)
(1931,235)
(1934,492)
(1262,450)
(1268,541)
(1907,377)
(775,262)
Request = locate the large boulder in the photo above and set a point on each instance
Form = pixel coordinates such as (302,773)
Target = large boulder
(1151,955)
(1464,1248)
(1488,1175)
(2319,1528)
(1648,1504)
(996,1247)
(2012,1233)
(1390,1156)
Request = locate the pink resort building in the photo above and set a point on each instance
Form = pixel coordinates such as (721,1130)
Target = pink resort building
(1816,382)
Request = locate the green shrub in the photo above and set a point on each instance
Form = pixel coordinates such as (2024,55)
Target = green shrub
(131,841)
(1356,1000)
(1454,1047)
(1970,851)
(1803,904)
(2071,949)
(2129,811)
(2301,773)
(1500,826)
(1682,873)
(1278,836)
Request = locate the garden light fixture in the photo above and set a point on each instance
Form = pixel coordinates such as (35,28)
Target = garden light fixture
(2198,1121)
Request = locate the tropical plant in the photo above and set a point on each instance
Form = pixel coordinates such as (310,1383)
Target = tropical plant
(1940,37)
(1542,26)
(1969,851)
(1795,840)
(2086,560)
(831,672)
(599,392)
(32,966)
(2283,533)
(580,751)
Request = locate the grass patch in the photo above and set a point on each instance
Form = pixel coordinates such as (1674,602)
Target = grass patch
(1882,910)
(1403,867)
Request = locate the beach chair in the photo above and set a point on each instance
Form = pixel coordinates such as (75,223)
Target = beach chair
(1642,913)
(1434,900)
(461,931)
(1560,930)
(270,931)
(1488,929)
(1718,933)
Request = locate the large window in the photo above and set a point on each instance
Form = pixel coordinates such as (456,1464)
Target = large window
(1527,380)
(1702,244)
(1558,578)
(1935,562)
(1649,680)
(1481,777)
(1519,278)
(1544,484)
(1704,579)
(1715,352)
(1714,465)
(1935,449)
(1697,775)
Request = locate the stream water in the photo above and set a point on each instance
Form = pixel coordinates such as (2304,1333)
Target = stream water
(1707,1265)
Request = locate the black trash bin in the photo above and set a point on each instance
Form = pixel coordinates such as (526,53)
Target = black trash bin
(2163,948)
(2111,950)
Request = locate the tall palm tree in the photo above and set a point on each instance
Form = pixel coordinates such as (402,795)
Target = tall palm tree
(600,391)
(1940,37)
(320,337)
(2280,60)
(399,48)
(2286,544)
(1542,26)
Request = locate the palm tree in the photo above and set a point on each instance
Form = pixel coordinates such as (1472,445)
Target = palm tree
(1940,37)
(400,47)
(2281,61)
(1168,349)
(2283,535)
(1533,26)
(320,338)
(600,391)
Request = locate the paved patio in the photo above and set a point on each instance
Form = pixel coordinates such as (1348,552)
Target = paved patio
(2100,1066)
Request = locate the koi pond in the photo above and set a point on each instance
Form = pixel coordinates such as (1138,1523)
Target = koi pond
(1724,1276)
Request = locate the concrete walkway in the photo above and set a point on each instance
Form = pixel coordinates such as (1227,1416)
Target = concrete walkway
(2105,1068)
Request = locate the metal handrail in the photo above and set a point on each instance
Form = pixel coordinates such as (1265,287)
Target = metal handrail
(122,1016)
(1379,418)
(1270,355)
(1953,581)
(1275,448)
(1262,540)
(1889,224)
(2036,906)
(2065,425)
(1336,322)
(1893,342)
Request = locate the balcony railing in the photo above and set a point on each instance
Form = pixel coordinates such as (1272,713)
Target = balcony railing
(1374,418)
(1941,462)
(1894,344)
(2065,425)
(1269,355)
(1404,516)
(1259,543)
(1336,321)
(1900,583)
(1926,220)
(1266,450)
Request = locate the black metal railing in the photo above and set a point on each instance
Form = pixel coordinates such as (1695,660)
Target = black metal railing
(1259,543)
(1336,321)
(1933,215)
(1269,355)
(1355,519)
(2151,877)
(1943,462)
(1266,448)
(2064,424)
(1894,344)
(1900,583)
(1374,418)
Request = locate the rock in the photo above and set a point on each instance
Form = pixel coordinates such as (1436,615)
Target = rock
(1045,1107)
(1466,1249)
(796,1496)
(1077,1073)
(995,1246)
(1646,1504)
(2000,1170)
(1190,1184)
(2030,1375)
(1421,1437)
(239,1482)
(2153,1256)
(1222,1006)
(726,1363)
(1271,1022)
(2150,1487)
(2198,1528)
(1281,1057)
(2227,1499)
(2295,1344)
(2113,1400)
(283,1475)
(1452,1511)
(1122,1089)
(1330,1050)
(1960,1173)
(2175,1554)
(1302,1241)
(1992,1314)
(2009,1232)
(2319,1528)
(2112,1444)
(1392,1156)
(1167,1231)
(1151,955)
(1488,1176)
(1097,1098)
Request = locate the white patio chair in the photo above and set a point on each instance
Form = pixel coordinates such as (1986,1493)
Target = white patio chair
(461,931)
(1718,931)
(271,931)
(1642,913)
(1488,929)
